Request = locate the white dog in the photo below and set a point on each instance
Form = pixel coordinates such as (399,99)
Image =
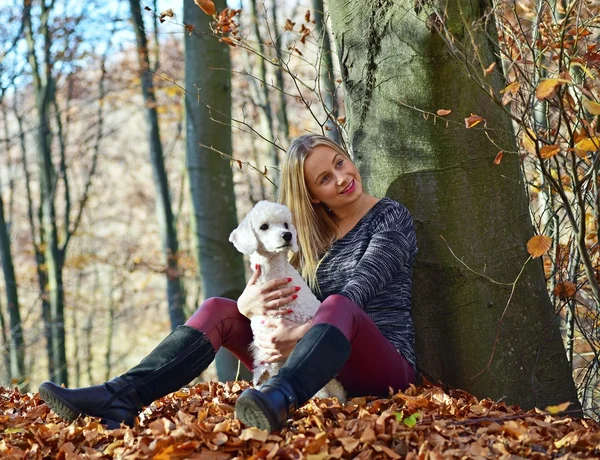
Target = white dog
(267,235)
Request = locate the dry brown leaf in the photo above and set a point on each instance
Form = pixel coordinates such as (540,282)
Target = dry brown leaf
(539,245)
(548,151)
(498,158)
(564,291)
(488,70)
(207,6)
(473,120)
(349,444)
(254,433)
(443,112)
(289,25)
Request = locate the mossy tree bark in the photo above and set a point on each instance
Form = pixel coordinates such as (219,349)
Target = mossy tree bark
(391,62)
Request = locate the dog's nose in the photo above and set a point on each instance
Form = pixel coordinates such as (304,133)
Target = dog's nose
(287,236)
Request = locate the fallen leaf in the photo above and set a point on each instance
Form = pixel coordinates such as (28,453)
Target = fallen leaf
(498,158)
(254,433)
(307,16)
(443,112)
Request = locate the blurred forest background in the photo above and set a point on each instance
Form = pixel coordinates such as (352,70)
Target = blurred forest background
(133,135)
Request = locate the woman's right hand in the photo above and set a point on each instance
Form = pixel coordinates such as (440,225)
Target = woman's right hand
(266,299)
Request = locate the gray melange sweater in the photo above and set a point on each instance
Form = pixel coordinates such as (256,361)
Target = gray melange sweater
(372,266)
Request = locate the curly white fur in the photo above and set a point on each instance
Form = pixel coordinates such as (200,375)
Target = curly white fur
(267,234)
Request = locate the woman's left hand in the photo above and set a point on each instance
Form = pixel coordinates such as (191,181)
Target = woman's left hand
(278,337)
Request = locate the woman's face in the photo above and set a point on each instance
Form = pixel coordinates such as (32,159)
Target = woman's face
(331,178)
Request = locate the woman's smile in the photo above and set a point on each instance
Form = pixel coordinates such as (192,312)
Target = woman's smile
(350,188)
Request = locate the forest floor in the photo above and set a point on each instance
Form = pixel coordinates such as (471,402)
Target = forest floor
(422,423)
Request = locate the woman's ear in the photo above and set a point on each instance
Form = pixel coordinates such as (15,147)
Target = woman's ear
(314,200)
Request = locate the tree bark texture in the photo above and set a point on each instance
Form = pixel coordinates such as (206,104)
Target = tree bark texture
(208,97)
(392,61)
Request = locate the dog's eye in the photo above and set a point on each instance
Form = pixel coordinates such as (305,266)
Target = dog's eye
(286,225)
(264,227)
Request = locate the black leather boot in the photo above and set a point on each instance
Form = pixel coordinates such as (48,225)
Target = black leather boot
(176,361)
(317,358)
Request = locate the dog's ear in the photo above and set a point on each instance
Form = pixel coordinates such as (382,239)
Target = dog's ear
(243,237)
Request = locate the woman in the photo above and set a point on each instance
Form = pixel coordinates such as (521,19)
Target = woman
(356,254)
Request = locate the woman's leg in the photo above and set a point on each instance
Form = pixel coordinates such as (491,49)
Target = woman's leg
(341,341)
(374,364)
(222,323)
(183,355)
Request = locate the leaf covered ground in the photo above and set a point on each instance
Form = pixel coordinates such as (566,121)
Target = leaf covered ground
(199,423)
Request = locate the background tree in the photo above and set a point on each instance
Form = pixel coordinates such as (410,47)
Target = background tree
(208,118)
(394,65)
(175,292)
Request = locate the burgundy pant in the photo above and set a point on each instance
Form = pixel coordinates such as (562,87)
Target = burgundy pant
(373,366)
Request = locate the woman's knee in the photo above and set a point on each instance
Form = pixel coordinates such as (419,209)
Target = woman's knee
(214,309)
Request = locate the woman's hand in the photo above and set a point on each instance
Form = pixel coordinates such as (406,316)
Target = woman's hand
(278,337)
(266,299)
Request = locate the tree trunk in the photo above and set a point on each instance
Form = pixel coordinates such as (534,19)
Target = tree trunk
(392,62)
(164,209)
(208,95)
(326,83)
(264,99)
(15,333)
(38,243)
(284,127)
(44,94)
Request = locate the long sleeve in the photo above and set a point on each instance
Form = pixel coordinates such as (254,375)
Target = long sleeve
(391,246)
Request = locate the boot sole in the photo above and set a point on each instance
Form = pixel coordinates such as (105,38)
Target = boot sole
(251,410)
(60,407)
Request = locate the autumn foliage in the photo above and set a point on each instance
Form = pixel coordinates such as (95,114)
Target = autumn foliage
(199,423)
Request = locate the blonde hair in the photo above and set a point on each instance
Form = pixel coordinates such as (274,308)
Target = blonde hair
(316,230)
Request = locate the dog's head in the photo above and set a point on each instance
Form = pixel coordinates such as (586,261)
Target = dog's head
(267,229)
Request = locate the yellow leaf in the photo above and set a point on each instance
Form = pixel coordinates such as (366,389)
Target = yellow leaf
(547,88)
(539,245)
(591,106)
(589,144)
(559,408)
(512,88)
(207,6)
(549,151)
(529,142)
